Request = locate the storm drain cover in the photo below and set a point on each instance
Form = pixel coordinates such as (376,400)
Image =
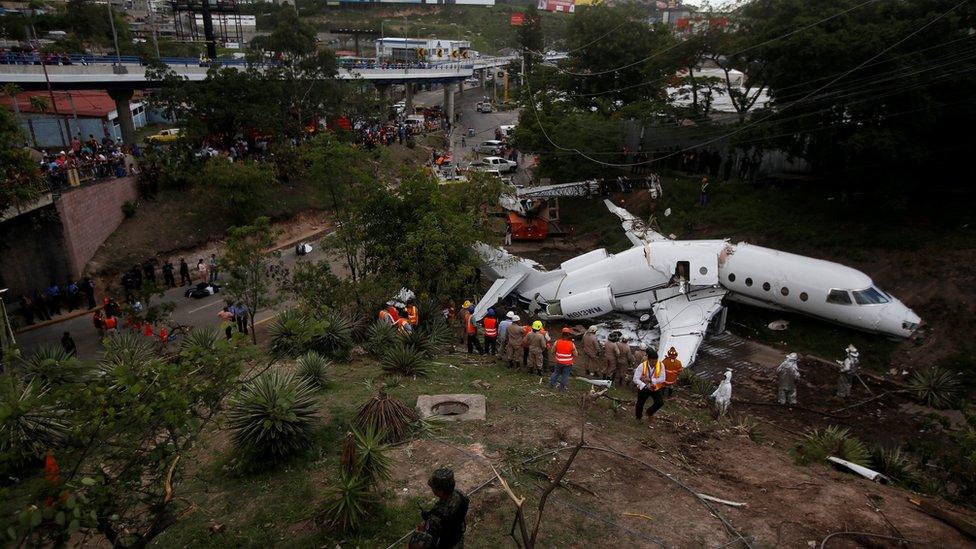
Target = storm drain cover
(452,407)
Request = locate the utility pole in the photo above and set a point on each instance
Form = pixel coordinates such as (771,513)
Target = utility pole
(115,36)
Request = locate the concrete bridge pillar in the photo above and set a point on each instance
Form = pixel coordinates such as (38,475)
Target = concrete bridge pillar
(481,77)
(124,111)
(384,92)
(460,86)
(408,98)
(449,102)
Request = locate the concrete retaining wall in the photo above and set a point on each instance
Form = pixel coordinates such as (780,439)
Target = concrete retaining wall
(90,214)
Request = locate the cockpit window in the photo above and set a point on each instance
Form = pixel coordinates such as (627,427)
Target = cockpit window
(839,297)
(870,296)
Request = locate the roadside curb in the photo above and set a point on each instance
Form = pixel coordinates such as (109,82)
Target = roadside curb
(54,321)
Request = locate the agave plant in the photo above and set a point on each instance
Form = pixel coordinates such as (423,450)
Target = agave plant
(380,337)
(372,462)
(349,503)
(428,311)
(892,462)
(202,339)
(832,441)
(386,416)
(51,364)
(274,415)
(332,335)
(289,334)
(936,387)
(404,360)
(29,424)
(312,368)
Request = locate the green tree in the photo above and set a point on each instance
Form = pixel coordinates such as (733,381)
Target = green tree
(20,179)
(251,266)
(130,432)
(531,38)
(242,189)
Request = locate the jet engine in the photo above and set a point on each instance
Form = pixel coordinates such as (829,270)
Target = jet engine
(588,304)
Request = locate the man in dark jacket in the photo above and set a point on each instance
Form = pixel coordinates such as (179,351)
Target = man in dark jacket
(443,526)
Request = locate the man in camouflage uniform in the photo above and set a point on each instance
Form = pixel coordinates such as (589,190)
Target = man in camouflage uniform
(443,526)
(537,348)
(625,362)
(610,355)
(513,342)
(591,352)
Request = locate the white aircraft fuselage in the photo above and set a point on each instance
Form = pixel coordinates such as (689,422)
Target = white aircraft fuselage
(598,283)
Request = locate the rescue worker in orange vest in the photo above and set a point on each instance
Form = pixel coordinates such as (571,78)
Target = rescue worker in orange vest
(649,380)
(490,325)
(403,326)
(537,348)
(565,354)
(462,328)
(386,316)
(412,316)
(672,369)
(515,336)
(471,332)
(391,307)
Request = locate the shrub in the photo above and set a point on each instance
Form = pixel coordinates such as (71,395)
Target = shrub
(372,463)
(349,503)
(404,360)
(128,208)
(698,387)
(936,387)
(332,335)
(289,334)
(832,441)
(389,418)
(892,463)
(380,337)
(312,368)
(29,423)
(273,416)
(51,364)
(202,339)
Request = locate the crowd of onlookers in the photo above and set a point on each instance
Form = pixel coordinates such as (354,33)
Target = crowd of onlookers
(47,303)
(33,57)
(90,159)
(743,165)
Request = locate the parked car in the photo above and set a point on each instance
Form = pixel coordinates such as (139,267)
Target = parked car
(500,164)
(484,106)
(491,147)
(506,131)
(164,136)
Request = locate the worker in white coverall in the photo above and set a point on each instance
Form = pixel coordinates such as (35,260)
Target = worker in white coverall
(788,372)
(848,371)
(723,395)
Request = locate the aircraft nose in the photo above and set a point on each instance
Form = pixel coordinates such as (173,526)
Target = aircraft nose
(910,321)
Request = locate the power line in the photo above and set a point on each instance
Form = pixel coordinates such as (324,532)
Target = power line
(751,124)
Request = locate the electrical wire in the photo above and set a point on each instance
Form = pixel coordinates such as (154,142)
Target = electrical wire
(787,35)
(751,124)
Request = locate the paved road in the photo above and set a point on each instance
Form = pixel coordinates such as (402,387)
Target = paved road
(203,312)
(189,311)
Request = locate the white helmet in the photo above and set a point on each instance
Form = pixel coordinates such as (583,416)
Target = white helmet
(516,318)
(851,349)
(510,314)
(792,356)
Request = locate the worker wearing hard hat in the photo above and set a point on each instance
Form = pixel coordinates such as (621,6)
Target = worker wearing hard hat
(471,331)
(503,333)
(537,348)
(513,341)
(649,379)
(610,355)
(412,315)
(625,361)
(591,352)
(672,368)
(565,354)
(490,326)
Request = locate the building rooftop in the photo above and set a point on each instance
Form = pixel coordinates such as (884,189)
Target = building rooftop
(88,104)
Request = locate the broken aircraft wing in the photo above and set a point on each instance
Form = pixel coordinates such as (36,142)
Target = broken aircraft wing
(683,319)
(637,231)
(498,291)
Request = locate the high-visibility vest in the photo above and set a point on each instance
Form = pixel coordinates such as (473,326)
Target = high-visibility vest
(564,352)
(110,323)
(393,313)
(469,326)
(491,326)
(526,330)
(401,325)
(412,315)
(672,367)
(657,373)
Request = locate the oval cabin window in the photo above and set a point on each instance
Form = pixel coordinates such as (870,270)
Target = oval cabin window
(804,296)
(766,286)
(732,277)
(785,291)
(748,282)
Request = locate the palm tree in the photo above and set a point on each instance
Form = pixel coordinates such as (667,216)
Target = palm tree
(12,91)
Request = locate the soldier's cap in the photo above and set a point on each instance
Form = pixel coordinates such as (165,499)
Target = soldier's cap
(442,479)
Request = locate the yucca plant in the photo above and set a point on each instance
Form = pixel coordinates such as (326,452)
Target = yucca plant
(380,337)
(936,387)
(29,423)
(832,441)
(372,462)
(202,339)
(386,416)
(428,311)
(349,503)
(892,462)
(289,334)
(273,416)
(127,348)
(404,360)
(332,335)
(312,368)
(51,364)
(432,338)
(698,387)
